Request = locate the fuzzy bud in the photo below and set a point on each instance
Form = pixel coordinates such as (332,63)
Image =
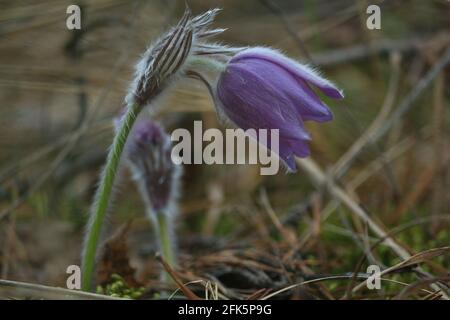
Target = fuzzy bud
(148,155)
(168,57)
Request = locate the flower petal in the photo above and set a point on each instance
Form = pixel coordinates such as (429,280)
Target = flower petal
(309,104)
(305,100)
(300,71)
(300,148)
(250,101)
(289,148)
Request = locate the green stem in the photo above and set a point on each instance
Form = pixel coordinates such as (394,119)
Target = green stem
(165,240)
(101,203)
(208,63)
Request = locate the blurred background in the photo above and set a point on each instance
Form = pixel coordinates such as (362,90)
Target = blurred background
(387,150)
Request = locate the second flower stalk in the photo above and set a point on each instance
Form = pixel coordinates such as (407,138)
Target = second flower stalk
(148,156)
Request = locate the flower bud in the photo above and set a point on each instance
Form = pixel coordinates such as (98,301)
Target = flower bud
(168,57)
(148,155)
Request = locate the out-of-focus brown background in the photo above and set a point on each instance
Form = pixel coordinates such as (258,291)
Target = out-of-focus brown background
(60,89)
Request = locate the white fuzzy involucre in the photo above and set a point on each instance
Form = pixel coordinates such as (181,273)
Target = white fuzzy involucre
(166,58)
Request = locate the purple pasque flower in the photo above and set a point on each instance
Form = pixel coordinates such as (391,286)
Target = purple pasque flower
(148,156)
(262,89)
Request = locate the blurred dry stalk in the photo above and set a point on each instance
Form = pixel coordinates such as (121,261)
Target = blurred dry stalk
(28,291)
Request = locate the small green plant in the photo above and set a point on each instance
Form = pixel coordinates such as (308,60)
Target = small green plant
(119,289)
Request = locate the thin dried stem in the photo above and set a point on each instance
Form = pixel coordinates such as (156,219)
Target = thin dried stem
(318,177)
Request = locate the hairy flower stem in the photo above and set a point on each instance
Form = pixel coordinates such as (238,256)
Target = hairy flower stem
(207,63)
(102,197)
(165,241)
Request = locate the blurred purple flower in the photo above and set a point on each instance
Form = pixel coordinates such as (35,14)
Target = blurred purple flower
(148,155)
(263,89)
